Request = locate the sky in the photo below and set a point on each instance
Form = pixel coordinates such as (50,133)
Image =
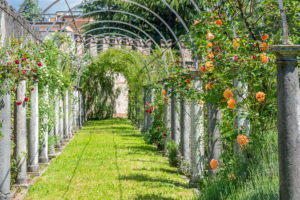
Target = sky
(60,6)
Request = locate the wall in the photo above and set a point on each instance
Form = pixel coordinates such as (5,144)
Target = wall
(6,23)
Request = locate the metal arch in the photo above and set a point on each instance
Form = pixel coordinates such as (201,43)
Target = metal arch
(112,44)
(126,51)
(131,55)
(117,44)
(132,34)
(195,5)
(119,11)
(82,69)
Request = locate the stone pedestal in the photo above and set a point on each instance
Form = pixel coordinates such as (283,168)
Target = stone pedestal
(185,130)
(167,120)
(33,130)
(20,137)
(5,145)
(66,115)
(43,157)
(79,108)
(74,112)
(56,127)
(197,131)
(175,126)
(288,115)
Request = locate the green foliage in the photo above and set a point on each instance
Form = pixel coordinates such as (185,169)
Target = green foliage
(31,10)
(173,151)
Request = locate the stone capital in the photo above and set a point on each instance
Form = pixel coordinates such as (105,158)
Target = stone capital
(286,53)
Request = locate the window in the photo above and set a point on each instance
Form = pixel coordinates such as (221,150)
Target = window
(37,28)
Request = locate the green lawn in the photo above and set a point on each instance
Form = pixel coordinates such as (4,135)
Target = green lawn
(109,159)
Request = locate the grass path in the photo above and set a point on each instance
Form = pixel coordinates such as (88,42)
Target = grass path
(109,159)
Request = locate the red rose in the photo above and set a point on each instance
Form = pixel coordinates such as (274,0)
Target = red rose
(19,102)
(187,80)
(24,72)
(17,62)
(165,134)
(23,59)
(159,105)
(33,70)
(26,99)
(39,64)
(254,57)
(32,89)
(9,63)
(166,98)
(152,107)
(158,128)
(147,111)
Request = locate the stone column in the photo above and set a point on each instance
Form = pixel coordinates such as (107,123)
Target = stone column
(214,138)
(167,120)
(145,108)
(66,115)
(185,130)
(79,108)
(74,112)
(197,131)
(175,126)
(20,137)
(83,108)
(149,100)
(57,122)
(33,129)
(288,115)
(43,157)
(5,145)
(61,119)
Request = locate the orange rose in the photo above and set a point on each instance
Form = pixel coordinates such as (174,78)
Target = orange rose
(163,92)
(202,69)
(209,66)
(223,100)
(263,46)
(209,86)
(214,164)
(228,94)
(231,103)
(235,43)
(201,102)
(210,45)
(264,59)
(264,36)
(260,96)
(219,22)
(242,139)
(210,55)
(209,35)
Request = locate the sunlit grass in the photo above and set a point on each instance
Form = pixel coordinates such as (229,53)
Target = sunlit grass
(109,160)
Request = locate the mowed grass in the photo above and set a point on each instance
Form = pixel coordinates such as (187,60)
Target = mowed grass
(109,159)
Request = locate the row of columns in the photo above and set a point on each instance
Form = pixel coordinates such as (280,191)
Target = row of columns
(64,128)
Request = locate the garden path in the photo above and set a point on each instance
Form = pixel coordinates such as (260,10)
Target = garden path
(109,159)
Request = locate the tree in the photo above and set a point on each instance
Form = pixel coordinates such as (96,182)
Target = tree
(31,10)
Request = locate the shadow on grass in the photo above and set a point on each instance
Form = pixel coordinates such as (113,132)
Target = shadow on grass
(159,170)
(150,197)
(146,178)
(117,166)
(74,171)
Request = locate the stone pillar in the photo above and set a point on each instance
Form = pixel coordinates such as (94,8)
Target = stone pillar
(20,137)
(167,120)
(83,108)
(185,130)
(79,108)
(74,111)
(66,115)
(197,131)
(5,145)
(57,122)
(33,129)
(175,126)
(288,114)
(149,99)
(145,108)
(43,157)
(214,138)
(61,119)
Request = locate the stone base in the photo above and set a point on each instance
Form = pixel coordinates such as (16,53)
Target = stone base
(20,185)
(33,168)
(44,164)
(62,141)
(58,149)
(52,156)
(38,173)
(43,160)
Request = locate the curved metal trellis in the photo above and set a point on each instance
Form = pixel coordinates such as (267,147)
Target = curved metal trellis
(116,44)
(126,52)
(80,56)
